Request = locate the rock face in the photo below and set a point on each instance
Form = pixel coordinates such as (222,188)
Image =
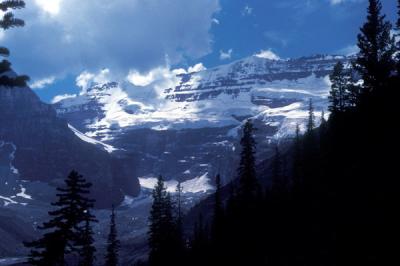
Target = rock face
(46,149)
(188,124)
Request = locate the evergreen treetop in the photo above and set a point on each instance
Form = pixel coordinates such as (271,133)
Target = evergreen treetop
(218,210)
(113,244)
(375,61)
(63,232)
(339,97)
(162,229)
(8,21)
(247,172)
(87,250)
(311,117)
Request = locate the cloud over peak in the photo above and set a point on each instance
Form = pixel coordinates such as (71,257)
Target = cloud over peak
(68,36)
(267,54)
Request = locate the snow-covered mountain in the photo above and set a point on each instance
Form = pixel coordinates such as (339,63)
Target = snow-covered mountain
(184,123)
(36,145)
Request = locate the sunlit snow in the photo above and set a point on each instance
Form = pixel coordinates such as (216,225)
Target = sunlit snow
(195,185)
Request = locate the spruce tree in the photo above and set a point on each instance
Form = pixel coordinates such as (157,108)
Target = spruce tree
(339,94)
(323,120)
(247,172)
(297,159)
(162,228)
(87,250)
(311,117)
(179,218)
(63,233)
(8,21)
(218,215)
(375,60)
(111,258)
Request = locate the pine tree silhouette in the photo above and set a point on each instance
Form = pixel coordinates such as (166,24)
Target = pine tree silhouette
(179,222)
(87,250)
(218,215)
(375,60)
(8,21)
(64,231)
(249,186)
(339,97)
(311,117)
(162,229)
(297,155)
(113,244)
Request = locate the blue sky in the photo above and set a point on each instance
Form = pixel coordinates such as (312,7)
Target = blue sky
(65,38)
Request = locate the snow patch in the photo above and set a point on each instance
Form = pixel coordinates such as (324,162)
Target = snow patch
(85,138)
(8,200)
(23,193)
(198,184)
(195,185)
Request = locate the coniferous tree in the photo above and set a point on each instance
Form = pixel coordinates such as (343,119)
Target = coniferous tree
(8,21)
(63,233)
(111,258)
(162,229)
(311,117)
(296,173)
(179,190)
(375,60)
(87,250)
(218,212)
(199,244)
(323,120)
(179,220)
(247,173)
(243,210)
(339,95)
(323,126)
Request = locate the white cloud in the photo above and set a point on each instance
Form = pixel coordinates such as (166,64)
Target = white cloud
(338,2)
(196,68)
(216,21)
(159,75)
(247,11)
(225,55)
(62,97)
(41,83)
(141,80)
(68,36)
(84,79)
(51,7)
(267,54)
(87,79)
(349,50)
